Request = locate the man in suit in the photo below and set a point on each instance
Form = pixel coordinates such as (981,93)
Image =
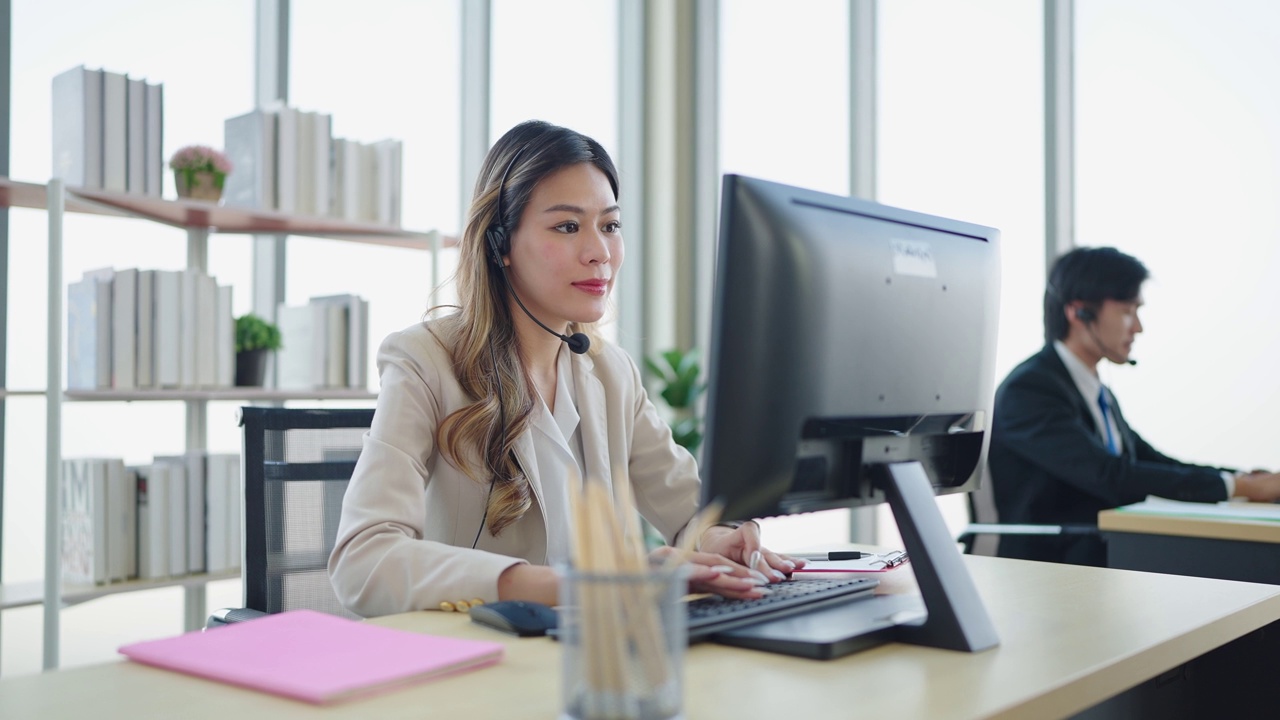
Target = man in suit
(1061,450)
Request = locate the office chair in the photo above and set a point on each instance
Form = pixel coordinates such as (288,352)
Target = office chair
(297,463)
(983,533)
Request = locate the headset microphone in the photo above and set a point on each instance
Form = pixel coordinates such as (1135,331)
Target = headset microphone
(1088,316)
(577,342)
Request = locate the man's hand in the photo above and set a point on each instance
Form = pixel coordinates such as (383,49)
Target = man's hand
(1258,486)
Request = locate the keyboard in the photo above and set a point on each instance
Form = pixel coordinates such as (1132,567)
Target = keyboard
(713,614)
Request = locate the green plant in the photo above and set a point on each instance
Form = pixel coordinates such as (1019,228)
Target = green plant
(680,373)
(253,333)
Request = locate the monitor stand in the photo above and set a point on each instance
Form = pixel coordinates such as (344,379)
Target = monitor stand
(948,613)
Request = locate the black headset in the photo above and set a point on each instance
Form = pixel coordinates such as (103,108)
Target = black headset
(496,236)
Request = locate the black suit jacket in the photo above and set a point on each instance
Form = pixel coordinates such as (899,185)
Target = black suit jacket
(1049,465)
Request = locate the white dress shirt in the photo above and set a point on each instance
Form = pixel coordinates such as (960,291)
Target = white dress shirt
(1089,385)
(560,456)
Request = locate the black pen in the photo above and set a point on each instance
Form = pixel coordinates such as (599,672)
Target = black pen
(833,555)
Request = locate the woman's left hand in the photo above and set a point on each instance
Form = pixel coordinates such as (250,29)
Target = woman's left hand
(742,545)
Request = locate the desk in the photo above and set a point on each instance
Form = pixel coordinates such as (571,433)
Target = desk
(1071,638)
(1225,548)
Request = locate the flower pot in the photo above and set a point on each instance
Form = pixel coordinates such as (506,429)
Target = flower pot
(251,367)
(199,185)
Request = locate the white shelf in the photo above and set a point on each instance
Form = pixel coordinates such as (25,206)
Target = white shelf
(15,595)
(236,393)
(200,219)
(4,393)
(190,214)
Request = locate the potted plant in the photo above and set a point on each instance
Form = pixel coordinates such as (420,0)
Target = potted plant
(199,172)
(255,338)
(679,373)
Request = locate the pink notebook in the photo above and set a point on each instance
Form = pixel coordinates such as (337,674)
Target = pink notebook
(314,657)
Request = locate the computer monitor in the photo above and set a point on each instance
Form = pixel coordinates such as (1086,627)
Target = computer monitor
(852,362)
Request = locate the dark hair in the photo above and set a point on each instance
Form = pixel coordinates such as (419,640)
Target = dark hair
(481,336)
(533,150)
(1090,276)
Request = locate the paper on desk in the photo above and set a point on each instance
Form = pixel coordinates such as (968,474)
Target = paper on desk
(869,563)
(1239,511)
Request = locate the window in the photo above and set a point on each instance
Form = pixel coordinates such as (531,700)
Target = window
(960,134)
(1177,165)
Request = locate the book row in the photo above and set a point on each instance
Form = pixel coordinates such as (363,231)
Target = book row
(108,131)
(141,329)
(326,343)
(287,159)
(177,516)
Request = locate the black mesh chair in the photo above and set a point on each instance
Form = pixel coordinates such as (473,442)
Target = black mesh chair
(297,463)
(981,536)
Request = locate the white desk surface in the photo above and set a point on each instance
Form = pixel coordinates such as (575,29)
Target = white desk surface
(1071,637)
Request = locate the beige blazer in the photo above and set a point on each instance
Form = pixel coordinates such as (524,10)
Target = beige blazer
(409,516)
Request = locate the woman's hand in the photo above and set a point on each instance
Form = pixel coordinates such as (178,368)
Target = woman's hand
(732,563)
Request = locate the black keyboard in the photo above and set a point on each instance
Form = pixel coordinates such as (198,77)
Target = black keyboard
(713,614)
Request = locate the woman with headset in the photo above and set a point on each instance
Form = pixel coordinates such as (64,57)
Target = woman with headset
(487,418)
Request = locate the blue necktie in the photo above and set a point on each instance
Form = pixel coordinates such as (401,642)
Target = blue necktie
(1106,421)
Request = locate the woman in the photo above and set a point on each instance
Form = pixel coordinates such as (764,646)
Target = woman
(486,421)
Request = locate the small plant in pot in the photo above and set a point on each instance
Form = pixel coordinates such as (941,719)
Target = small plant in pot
(200,172)
(255,338)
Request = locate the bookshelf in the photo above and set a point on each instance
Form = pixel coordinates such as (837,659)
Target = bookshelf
(199,219)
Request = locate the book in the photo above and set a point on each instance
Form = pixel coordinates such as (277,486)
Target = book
(88,332)
(294,359)
(196,519)
(155,140)
(329,343)
(174,511)
(167,344)
(286,158)
(124,329)
(136,124)
(344,188)
(206,331)
(145,370)
(189,328)
(225,341)
(250,140)
(219,497)
(115,131)
(120,519)
(77,127)
(354,340)
(320,150)
(84,521)
(153,525)
(314,657)
(388,154)
(103,280)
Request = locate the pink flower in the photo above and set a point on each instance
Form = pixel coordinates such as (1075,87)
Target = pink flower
(195,158)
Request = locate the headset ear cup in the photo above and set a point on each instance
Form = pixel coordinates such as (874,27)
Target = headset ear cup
(496,238)
(1084,314)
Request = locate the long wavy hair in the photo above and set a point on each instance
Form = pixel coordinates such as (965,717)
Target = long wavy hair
(481,336)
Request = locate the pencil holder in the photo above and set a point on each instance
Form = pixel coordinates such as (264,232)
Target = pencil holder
(623,639)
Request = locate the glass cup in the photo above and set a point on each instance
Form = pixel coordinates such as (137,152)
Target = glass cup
(623,638)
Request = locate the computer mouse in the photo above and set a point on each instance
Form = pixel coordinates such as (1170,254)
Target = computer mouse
(518,617)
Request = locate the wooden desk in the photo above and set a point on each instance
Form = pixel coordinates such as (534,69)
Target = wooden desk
(1071,638)
(1225,548)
